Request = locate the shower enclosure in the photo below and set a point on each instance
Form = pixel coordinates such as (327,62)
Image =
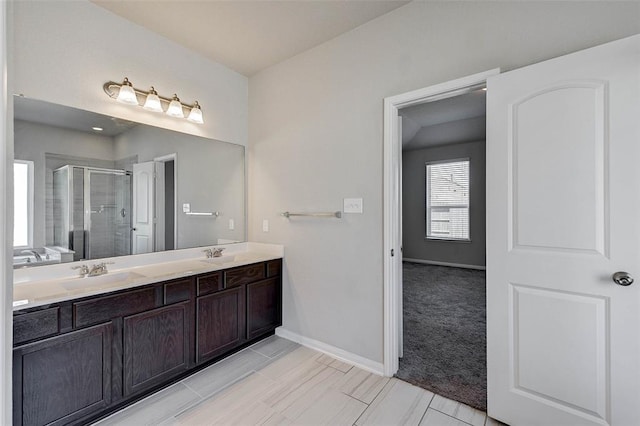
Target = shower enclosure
(92,211)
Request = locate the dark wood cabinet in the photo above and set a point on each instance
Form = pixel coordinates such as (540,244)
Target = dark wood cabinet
(156,346)
(220,319)
(244,275)
(35,325)
(78,360)
(263,307)
(63,378)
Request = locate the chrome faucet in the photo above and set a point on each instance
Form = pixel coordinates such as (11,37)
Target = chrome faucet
(213,252)
(35,253)
(83,270)
(95,270)
(99,269)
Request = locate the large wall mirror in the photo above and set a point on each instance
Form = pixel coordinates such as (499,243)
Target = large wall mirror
(88,186)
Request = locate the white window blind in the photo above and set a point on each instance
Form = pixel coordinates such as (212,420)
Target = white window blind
(448,200)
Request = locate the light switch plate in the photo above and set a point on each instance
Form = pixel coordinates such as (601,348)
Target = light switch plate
(232,225)
(353,205)
(186,208)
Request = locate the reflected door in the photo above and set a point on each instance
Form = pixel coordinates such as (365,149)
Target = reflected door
(144,208)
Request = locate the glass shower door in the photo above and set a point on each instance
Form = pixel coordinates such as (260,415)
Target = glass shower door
(107,213)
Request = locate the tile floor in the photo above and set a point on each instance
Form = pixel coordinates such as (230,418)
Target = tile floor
(278,382)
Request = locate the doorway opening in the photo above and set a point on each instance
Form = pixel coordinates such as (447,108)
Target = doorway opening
(166,202)
(393,264)
(443,247)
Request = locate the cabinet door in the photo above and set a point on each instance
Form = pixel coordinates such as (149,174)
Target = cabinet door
(263,307)
(220,323)
(156,346)
(63,378)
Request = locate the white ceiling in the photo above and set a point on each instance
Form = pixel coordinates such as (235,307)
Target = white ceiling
(248,36)
(76,119)
(451,120)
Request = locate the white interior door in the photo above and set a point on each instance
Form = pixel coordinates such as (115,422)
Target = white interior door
(563,190)
(143,233)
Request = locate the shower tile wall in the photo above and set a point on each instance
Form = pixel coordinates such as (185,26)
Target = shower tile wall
(110,198)
(122,243)
(58,207)
(103,207)
(77,236)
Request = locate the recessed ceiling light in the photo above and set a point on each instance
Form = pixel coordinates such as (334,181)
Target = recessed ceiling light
(97,129)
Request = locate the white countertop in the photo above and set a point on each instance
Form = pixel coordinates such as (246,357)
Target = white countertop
(37,286)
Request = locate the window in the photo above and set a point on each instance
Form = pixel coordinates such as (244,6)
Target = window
(448,200)
(22,203)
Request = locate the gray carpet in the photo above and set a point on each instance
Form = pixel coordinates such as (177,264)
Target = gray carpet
(445,332)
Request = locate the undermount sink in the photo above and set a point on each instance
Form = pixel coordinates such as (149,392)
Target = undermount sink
(221,259)
(102,280)
(171,268)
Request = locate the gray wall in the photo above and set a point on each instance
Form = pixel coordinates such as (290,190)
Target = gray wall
(414,242)
(66,50)
(210,173)
(210,177)
(316,137)
(33,140)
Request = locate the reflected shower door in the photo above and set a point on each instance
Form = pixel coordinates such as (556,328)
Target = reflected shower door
(107,213)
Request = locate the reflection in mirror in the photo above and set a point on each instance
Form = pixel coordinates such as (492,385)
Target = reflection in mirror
(104,187)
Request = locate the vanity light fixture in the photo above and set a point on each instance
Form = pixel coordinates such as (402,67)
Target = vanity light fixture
(175,108)
(152,103)
(125,92)
(196,114)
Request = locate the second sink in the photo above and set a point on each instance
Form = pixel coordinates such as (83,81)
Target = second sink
(217,260)
(111,278)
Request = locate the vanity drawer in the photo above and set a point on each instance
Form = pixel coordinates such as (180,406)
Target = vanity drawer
(244,275)
(102,309)
(209,283)
(35,325)
(177,291)
(274,268)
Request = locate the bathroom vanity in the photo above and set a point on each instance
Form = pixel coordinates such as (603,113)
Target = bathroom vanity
(100,343)
(126,208)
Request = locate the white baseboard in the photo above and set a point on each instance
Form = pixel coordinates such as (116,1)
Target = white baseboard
(455,265)
(337,353)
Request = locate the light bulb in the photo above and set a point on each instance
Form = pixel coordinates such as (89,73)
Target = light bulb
(196,114)
(175,108)
(153,101)
(127,95)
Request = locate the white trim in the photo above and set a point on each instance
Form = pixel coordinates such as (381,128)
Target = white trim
(6,216)
(337,353)
(453,265)
(390,145)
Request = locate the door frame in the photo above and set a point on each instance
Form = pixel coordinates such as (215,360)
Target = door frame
(391,143)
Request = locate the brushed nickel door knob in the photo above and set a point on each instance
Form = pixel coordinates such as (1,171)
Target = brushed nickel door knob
(622,278)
